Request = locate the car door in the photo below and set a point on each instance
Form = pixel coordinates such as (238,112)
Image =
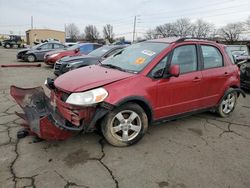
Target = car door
(177,95)
(43,50)
(214,73)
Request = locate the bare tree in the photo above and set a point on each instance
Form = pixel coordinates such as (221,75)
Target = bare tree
(231,32)
(91,33)
(72,32)
(150,34)
(183,27)
(108,33)
(166,30)
(202,29)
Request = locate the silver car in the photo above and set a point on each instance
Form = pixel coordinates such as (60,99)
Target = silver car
(36,53)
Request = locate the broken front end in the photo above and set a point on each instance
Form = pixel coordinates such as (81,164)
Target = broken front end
(52,118)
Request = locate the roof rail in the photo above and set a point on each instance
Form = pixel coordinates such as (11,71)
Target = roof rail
(196,38)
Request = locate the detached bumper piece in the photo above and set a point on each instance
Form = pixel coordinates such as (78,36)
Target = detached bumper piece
(22,65)
(40,117)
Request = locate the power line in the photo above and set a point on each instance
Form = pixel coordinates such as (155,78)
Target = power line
(202,11)
(181,16)
(188,9)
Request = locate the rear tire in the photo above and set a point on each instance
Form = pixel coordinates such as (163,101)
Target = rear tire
(228,103)
(125,125)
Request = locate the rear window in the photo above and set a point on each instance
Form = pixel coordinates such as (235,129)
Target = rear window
(86,48)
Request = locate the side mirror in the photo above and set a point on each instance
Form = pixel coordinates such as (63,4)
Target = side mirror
(174,70)
(39,48)
(77,50)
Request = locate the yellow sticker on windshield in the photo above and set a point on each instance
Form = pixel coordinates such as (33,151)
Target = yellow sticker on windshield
(140,60)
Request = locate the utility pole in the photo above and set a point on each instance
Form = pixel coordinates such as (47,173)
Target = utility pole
(135,21)
(31,22)
(134,29)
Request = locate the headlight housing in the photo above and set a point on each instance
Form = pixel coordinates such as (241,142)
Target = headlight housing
(87,98)
(54,55)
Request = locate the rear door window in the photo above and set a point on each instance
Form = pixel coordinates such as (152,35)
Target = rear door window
(58,46)
(212,57)
(186,58)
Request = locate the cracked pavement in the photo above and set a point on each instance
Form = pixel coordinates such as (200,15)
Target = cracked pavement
(198,151)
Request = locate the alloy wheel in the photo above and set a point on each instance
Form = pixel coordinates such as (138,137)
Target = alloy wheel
(228,103)
(31,58)
(126,125)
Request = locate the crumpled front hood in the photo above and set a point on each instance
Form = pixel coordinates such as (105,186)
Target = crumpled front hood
(89,77)
(24,50)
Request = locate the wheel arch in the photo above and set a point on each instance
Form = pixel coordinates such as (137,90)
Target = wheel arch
(238,90)
(142,102)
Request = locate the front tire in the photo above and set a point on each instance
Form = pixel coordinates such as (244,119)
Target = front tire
(31,58)
(7,45)
(227,104)
(125,125)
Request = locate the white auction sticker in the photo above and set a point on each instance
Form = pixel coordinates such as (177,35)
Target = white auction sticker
(148,52)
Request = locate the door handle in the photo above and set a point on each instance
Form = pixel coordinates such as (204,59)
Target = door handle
(226,74)
(196,79)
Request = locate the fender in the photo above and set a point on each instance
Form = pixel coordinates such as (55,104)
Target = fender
(142,101)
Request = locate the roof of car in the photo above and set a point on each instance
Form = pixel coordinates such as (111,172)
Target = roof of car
(179,39)
(56,42)
(88,43)
(166,40)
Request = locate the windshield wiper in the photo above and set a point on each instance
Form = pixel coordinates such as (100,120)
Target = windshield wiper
(113,67)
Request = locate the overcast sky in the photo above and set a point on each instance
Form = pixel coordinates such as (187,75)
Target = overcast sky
(15,15)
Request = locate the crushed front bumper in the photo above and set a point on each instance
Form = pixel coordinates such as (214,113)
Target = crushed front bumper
(53,119)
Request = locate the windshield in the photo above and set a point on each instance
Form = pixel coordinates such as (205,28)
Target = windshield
(36,46)
(135,57)
(100,51)
(73,47)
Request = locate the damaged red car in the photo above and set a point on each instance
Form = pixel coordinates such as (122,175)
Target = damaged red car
(147,82)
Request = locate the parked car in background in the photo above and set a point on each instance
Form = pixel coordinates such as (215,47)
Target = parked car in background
(14,40)
(242,59)
(73,62)
(78,49)
(245,74)
(37,52)
(146,82)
